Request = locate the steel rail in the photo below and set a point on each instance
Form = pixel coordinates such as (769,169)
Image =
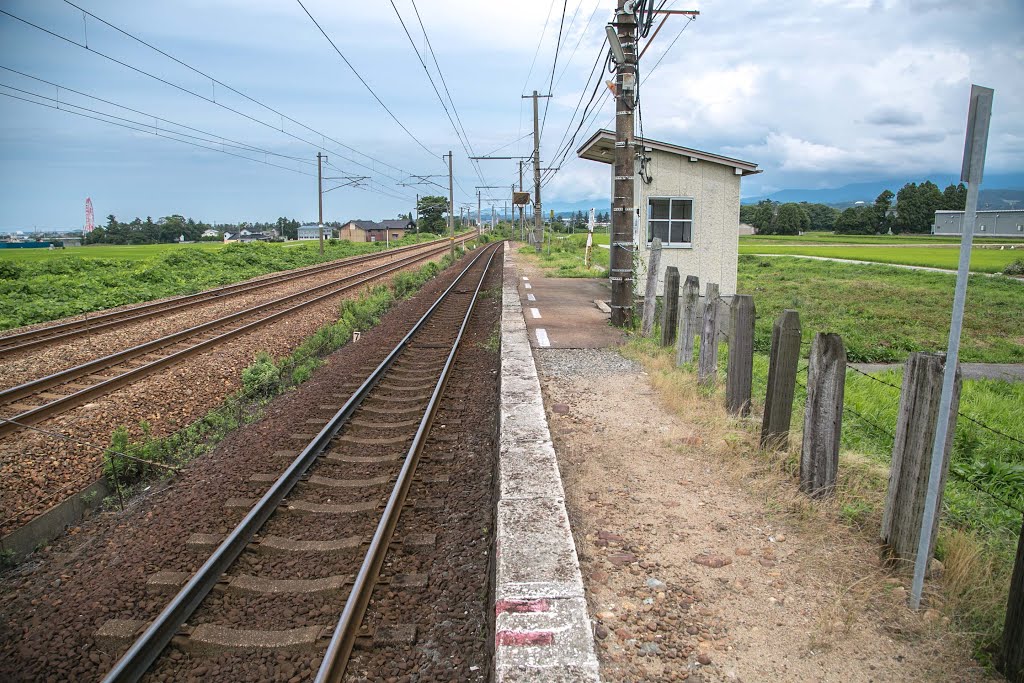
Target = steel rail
(22,341)
(133,665)
(335,661)
(35,415)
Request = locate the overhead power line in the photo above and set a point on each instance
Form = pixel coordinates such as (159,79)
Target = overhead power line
(226,86)
(365,84)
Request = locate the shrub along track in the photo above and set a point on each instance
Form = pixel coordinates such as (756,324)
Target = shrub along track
(52,611)
(38,350)
(38,470)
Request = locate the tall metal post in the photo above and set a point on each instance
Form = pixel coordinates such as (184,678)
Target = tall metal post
(479,224)
(417,210)
(621,275)
(975,145)
(320,197)
(451,206)
(522,208)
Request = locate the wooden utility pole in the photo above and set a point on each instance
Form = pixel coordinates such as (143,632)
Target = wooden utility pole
(538,215)
(621,275)
(320,197)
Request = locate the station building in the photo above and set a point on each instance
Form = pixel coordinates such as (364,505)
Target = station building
(690,200)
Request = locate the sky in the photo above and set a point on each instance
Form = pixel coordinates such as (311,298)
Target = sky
(818,93)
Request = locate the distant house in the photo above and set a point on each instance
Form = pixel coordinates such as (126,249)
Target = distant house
(687,198)
(376,231)
(70,241)
(311,231)
(247,236)
(211,233)
(1001,223)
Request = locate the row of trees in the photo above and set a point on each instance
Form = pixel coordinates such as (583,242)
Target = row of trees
(913,212)
(173,228)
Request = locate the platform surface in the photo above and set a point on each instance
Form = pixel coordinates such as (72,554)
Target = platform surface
(560,313)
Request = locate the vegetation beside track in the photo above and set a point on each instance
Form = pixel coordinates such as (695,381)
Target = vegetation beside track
(67,284)
(979,528)
(149,457)
(563,256)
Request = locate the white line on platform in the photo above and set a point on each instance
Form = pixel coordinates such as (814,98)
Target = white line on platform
(542,337)
(525,278)
(531,297)
(528,285)
(535,312)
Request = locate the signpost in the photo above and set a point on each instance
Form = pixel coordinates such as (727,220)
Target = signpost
(978,118)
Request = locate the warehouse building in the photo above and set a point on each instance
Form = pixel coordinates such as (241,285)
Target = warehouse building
(988,224)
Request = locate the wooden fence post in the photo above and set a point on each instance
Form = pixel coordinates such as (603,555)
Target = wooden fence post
(707,363)
(740,371)
(911,455)
(651,293)
(782,362)
(670,306)
(688,320)
(823,416)
(1011,659)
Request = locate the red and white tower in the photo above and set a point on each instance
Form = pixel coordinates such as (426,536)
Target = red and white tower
(89,218)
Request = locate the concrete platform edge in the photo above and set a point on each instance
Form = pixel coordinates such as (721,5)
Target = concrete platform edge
(542,629)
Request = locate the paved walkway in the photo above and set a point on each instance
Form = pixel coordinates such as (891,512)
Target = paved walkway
(1008,372)
(893,265)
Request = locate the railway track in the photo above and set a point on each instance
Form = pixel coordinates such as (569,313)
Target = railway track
(294,557)
(67,330)
(40,399)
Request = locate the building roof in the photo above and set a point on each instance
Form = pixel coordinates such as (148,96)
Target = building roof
(601,146)
(389,224)
(960,211)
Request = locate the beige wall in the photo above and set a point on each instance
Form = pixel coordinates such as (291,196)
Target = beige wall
(715,190)
(351,233)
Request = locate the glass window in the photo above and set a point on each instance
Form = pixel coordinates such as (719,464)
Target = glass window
(670,219)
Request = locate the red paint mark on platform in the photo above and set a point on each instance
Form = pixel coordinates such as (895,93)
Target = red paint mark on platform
(524,638)
(521,606)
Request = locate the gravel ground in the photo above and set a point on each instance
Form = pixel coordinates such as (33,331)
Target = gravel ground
(51,606)
(692,576)
(38,470)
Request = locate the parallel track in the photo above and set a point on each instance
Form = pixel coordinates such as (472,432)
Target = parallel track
(59,332)
(46,397)
(386,421)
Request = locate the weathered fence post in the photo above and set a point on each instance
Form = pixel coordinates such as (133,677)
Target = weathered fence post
(651,293)
(1011,659)
(670,306)
(823,415)
(782,362)
(911,455)
(688,320)
(740,371)
(707,361)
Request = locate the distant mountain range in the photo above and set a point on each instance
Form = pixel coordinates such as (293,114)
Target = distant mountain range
(1008,186)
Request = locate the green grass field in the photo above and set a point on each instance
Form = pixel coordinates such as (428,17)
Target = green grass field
(119,252)
(879,240)
(37,285)
(885,313)
(982,260)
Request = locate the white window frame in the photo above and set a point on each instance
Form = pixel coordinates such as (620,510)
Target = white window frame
(691,220)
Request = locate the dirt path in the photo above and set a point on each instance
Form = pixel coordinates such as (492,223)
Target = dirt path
(694,575)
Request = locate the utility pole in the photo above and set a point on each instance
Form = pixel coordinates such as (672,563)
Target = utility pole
(417,210)
(320,197)
(478,217)
(538,215)
(522,208)
(451,206)
(623,210)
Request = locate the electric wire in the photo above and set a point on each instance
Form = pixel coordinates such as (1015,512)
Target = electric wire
(554,65)
(365,84)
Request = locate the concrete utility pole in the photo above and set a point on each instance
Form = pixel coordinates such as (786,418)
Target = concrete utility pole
(320,197)
(451,205)
(522,219)
(417,210)
(538,215)
(623,210)
(478,217)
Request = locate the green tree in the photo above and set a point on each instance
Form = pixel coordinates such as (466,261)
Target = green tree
(823,216)
(433,212)
(764,215)
(747,213)
(880,209)
(790,219)
(916,206)
(954,198)
(857,220)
